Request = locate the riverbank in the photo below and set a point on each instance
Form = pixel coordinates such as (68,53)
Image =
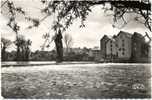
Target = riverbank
(43,63)
(40,63)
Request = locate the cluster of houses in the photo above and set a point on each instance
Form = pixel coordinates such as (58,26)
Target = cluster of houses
(88,53)
(125,47)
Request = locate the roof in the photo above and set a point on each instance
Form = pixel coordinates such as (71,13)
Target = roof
(95,48)
(110,38)
(104,37)
(125,33)
(137,34)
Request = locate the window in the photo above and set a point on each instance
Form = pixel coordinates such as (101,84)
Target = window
(123,44)
(135,48)
(123,53)
(134,44)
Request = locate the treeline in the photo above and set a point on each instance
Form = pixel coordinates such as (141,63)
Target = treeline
(50,56)
(72,56)
(24,53)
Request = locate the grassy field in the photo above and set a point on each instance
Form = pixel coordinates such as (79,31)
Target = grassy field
(77,81)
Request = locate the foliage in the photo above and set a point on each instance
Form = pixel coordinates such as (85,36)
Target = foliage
(43,56)
(23,48)
(50,56)
(12,12)
(5,43)
(67,11)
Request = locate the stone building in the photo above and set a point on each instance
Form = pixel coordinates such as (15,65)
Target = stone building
(126,47)
(111,49)
(103,41)
(140,48)
(123,44)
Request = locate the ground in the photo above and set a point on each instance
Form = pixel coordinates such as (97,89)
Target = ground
(77,81)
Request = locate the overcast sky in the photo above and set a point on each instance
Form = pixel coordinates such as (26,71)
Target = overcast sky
(98,23)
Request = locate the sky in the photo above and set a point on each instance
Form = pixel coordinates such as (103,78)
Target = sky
(97,24)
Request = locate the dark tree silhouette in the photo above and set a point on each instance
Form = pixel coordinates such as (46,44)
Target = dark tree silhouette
(5,43)
(24,50)
(67,11)
(59,46)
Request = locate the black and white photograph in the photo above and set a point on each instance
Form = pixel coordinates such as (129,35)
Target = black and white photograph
(76,49)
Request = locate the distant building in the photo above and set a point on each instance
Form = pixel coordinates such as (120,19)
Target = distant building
(77,50)
(103,41)
(123,44)
(96,53)
(90,53)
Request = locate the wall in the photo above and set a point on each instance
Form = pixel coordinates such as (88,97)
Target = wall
(103,46)
(123,43)
(111,50)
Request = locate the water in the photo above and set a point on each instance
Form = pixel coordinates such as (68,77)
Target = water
(26,62)
(77,81)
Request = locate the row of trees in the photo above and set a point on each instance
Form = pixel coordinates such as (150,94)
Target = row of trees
(23,48)
(51,56)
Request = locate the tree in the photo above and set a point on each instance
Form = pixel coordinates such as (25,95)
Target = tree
(27,50)
(68,40)
(59,47)
(5,43)
(67,11)
(23,48)
(13,11)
